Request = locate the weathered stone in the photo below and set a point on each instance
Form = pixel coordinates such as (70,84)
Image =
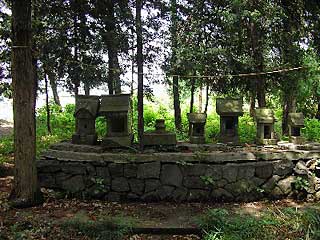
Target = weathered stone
(240,187)
(198,195)
(120,185)
(116,170)
(230,172)
(150,196)
(73,168)
(149,170)
(271,183)
(286,184)
(171,175)
(221,194)
(114,197)
(91,170)
(246,171)
(179,194)
(103,172)
(215,172)
(301,168)
(195,182)
(317,195)
(276,193)
(264,170)
(220,183)
(133,197)
(283,168)
(130,170)
(73,184)
(47,181)
(136,186)
(257,181)
(48,166)
(151,185)
(196,169)
(164,192)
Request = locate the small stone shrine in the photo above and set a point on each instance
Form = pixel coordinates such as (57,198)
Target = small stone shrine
(265,126)
(116,109)
(159,137)
(85,114)
(197,131)
(296,122)
(229,110)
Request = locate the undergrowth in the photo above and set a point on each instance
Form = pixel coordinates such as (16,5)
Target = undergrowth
(271,224)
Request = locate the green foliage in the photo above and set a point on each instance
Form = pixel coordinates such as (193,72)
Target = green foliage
(104,227)
(289,223)
(301,184)
(247,129)
(312,129)
(6,149)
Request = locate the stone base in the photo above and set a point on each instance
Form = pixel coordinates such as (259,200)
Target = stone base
(87,139)
(197,139)
(267,141)
(229,139)
(159,139)
(113,142)
(297,140)
(239,175)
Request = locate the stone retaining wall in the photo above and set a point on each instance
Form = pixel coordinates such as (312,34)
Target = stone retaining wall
(179,177)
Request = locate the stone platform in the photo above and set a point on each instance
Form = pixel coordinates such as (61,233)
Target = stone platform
(191,173)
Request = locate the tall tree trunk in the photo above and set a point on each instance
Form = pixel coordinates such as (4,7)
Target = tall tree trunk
(76,79)
(317,116)
(86,89)
(114,83)
(54,88)
(193,88)
(140,72)
(200,98)
(207,98)
(25,190)
(289,106)
(47,103)
(252,101)
(175,81)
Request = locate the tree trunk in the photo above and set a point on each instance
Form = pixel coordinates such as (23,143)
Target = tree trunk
(252,103)
(207,98)
(54,89)
(25,190)
(86,89)
(317,116)
(289,106)
(193,88)
(47,104)
(175,81)
(200,98)
(114,83)
(140,72)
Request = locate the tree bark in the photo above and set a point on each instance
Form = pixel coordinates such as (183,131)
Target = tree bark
(207,98)
(114,83)
(175,81)
(200,98)
(86,89)
(54,89)
(289,106)
(25,190)
(317,116)
(193,88)
(47,104)
(140,72)
(252,103)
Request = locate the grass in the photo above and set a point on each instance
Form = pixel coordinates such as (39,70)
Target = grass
(103,227)
(270,224)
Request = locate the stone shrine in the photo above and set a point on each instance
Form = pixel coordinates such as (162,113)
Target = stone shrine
(116,110)
(86,110)
(296,122)
(159,137)
(265,126)
(197,131)
(229,110)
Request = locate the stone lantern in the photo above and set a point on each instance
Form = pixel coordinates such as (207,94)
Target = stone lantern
(85,114)
(265,126)
(116,110)
(296,122)
(160,136)
(197,131)
(229,110)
